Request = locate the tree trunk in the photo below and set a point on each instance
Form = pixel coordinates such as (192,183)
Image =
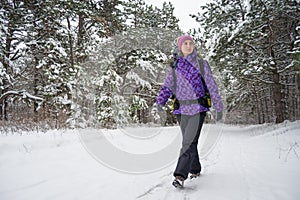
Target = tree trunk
(297,108)
(80,38)
(277,96)
(35,90)
(4,103)
(256,105)
(70,43)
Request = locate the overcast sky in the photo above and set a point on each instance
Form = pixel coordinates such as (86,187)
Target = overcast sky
(182,10)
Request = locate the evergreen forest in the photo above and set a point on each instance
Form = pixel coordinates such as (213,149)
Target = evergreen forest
(101,63)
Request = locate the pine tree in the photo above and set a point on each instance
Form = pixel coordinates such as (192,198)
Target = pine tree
(49,50)
(44,45)
(252,41)
(13,36)
(139,55)
(142,15)
(160,27)
(295,65)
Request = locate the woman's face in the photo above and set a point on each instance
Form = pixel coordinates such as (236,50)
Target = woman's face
(187,47)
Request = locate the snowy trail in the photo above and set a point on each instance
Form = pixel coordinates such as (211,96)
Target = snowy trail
(245,165)
(222,173)
(248,163)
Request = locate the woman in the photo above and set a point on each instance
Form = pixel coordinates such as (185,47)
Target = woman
(189,88)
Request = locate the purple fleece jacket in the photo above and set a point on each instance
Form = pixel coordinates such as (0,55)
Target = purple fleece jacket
(189,86)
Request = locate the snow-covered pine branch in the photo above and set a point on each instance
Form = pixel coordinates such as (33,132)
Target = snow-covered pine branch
(23,94)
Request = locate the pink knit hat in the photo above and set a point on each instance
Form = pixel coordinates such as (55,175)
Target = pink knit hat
(183,38)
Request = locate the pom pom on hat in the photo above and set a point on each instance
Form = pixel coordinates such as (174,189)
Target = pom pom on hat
(183,38)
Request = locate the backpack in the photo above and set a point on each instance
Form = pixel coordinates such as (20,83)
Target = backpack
(204,101)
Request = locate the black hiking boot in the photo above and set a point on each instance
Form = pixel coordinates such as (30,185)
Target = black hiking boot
(178,182)
(192,176)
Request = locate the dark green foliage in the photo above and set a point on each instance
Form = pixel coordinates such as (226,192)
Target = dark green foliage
(53,69)
(252,47)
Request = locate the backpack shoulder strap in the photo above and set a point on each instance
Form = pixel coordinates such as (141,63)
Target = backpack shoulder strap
(201,66)
(174,65)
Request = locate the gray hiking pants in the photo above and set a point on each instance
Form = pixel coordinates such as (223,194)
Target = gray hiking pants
(188,161)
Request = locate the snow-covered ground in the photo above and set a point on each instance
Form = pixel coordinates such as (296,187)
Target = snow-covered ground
(246,162)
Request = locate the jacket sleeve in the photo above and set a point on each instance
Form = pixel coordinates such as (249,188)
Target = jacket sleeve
(166,90)
(212,88)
